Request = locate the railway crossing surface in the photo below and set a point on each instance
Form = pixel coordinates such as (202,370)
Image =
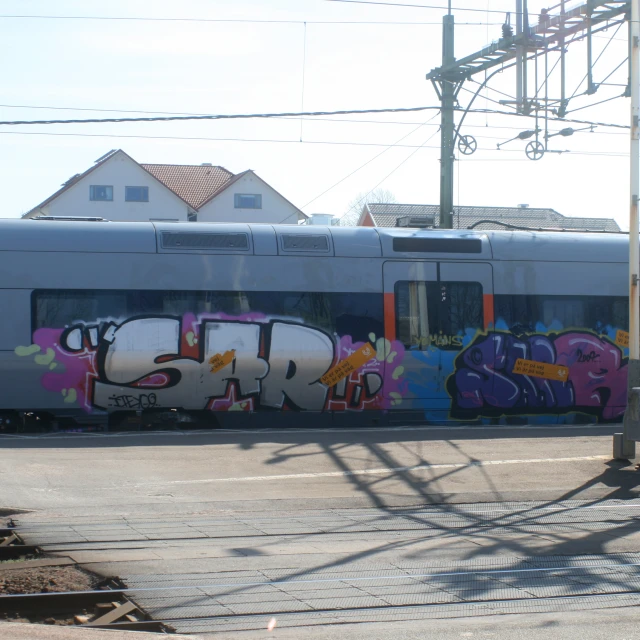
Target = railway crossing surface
(383,533)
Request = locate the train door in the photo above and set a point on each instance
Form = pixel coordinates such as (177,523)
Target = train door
(433,312)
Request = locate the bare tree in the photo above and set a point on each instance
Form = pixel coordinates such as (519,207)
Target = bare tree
(378,196)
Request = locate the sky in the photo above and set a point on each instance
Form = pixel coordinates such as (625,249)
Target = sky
(250,56)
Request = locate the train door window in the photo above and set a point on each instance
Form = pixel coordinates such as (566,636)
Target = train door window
(412,314)
(431,313)
(460,307)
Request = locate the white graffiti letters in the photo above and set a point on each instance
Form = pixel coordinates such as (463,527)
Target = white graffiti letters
(141,365)
(247,368)
(298,357)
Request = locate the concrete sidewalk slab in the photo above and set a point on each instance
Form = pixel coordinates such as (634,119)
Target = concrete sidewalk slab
(20,631)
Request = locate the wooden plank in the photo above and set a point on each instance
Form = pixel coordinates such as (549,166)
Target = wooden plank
(10,540)
(115,614)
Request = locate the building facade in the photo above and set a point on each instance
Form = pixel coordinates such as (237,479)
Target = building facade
(120,189)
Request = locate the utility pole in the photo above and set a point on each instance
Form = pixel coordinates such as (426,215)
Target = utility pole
(447,125)
(634,246)
(519,57)
(550,34)
(631,425)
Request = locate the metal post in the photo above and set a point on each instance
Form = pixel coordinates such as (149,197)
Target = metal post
(519,56)
(447,125)
(630,428)
(634,246)
(562,110)
(590,86)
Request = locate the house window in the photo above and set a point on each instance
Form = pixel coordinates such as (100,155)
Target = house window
(192,216)
(136,194)
(247,201)
(101,192)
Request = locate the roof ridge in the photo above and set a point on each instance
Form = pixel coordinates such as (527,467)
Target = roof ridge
(194,166)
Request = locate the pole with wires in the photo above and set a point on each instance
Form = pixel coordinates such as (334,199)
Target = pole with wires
(447,124)
(624,443)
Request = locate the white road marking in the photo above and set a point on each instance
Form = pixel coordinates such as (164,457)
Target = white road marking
(376,472)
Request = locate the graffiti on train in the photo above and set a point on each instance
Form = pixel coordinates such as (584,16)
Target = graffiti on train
(483,382)
(153,362)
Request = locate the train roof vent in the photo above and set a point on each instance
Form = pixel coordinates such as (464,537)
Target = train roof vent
(206,241)
(437,245)
(419,222)
(70,218)
(316,243)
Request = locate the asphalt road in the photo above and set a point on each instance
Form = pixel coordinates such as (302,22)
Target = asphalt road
(388,533)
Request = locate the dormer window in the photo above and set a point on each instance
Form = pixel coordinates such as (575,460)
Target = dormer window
(136,194)
(247,201)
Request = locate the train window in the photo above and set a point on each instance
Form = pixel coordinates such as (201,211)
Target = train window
(436,313)
(312,308)
(570,311)
(358,315)
(525,314)
(64,308)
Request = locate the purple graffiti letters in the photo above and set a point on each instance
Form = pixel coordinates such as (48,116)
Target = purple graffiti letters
(484,382)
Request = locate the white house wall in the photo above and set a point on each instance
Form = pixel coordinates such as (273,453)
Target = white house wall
(119,172)
(275,209)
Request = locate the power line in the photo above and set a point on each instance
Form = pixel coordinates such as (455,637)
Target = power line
(523,115)
(236,20)
(292,115)
(315,142)
(196,138)
(422,146)
(224,116)
(290,119)
(370,160)
(423,6)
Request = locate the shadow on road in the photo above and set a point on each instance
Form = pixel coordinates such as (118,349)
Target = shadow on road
(530,534)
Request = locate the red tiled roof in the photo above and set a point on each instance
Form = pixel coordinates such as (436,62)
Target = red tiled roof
(195,184)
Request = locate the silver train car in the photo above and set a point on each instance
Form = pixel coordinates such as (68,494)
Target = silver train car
(252,325)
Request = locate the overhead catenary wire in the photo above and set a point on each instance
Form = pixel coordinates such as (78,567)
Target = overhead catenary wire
(423,6)
(178,118)
(273,140)
(288,118)
(422,146)
(391,146)
(238,20)
(219,116)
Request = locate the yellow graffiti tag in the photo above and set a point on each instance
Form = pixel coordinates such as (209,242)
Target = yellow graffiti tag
(541,370)
(354,361)
(622,338)
(221,360)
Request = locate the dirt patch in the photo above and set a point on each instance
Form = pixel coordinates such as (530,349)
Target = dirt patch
(14,580)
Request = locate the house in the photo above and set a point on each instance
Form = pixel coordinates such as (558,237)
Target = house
(427,215)
(118,188)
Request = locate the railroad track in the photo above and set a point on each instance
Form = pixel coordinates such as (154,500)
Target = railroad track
(208,603)
(277,574)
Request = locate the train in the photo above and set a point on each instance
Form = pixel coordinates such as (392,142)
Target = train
(108,324)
